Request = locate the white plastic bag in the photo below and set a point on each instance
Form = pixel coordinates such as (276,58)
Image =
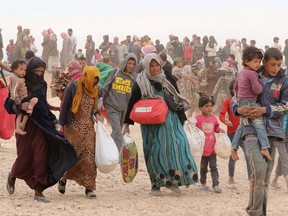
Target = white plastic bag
(106,152)
(223,146)
(196,139)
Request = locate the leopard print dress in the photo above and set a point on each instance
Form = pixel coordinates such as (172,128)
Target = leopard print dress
(82,137)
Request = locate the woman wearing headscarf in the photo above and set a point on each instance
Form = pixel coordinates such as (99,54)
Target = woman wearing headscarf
(116,92)
(74,69)
(79,105)
(166,150)
(43,155)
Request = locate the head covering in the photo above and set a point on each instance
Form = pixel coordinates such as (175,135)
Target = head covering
(74,67)
(129,56)
(64,35)
(89,74)
(145,85)
(177,59)
(148,49)
(32,80)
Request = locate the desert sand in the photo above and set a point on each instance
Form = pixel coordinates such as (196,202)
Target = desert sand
(114,197)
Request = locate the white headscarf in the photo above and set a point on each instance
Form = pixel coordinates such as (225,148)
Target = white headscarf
(145,85)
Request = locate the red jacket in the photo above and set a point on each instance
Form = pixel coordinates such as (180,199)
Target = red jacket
(234,119)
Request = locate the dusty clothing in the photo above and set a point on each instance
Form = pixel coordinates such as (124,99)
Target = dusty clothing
(17,89)
(82,137)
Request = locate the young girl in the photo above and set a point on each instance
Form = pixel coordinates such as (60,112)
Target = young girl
(19,95)
(247,87)
(209,125)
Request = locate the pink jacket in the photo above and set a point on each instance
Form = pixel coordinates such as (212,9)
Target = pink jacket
(209,126)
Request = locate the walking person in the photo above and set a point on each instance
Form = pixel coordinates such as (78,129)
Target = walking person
(272,108)
(43,155)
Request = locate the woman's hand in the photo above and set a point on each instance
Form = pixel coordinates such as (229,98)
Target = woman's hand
(126,129)
(97,117)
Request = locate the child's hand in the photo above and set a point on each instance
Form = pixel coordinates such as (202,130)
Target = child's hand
(222,131)
(234,154)
(59,128)
(228,123)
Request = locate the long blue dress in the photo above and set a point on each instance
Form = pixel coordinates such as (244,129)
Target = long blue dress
(166,149)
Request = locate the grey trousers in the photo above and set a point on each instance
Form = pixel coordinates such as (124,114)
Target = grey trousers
(261,172)
(282,166)
(116,119)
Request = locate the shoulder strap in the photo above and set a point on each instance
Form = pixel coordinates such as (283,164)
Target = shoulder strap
(5,81)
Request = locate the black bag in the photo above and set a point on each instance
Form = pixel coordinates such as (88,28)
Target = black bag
(10,106)
(172,102)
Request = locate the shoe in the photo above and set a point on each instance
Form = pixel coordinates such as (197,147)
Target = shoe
(10,185)
(155,191)
(90,194)
(204,188)
(41,198)
(217,189)
(175,189)
(62,185)
(275,185)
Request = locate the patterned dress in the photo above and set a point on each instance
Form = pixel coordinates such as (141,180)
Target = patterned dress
(82,137)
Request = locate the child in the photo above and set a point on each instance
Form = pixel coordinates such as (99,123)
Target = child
(247,87)
(209,125)
(232,123)
(19,95)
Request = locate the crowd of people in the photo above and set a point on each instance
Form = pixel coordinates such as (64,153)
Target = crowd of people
(242,84)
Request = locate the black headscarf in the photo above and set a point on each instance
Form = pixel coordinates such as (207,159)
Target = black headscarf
(32,80)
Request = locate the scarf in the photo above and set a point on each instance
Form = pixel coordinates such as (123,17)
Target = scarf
(32,80)
(145,85)
(86,83)
(74,67)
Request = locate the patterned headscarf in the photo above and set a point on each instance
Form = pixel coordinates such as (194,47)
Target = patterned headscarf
(74,67)
(89,74)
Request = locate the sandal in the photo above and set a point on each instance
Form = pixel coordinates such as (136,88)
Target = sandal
(90,194)
(10,185)
(62,185)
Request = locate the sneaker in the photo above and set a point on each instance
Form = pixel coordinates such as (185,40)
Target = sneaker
(90,194)
(10,185)
(204,188)
(155,191)
(275,185)
(62,185)
(217,189)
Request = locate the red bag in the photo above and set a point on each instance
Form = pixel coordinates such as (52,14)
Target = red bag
(7,121)
(149,111)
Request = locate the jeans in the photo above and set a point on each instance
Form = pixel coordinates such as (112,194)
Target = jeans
(257,124)
(261,173)
(212,160)
(231,164)
(282,166)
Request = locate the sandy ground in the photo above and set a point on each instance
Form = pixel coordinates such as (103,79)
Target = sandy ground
(114,197)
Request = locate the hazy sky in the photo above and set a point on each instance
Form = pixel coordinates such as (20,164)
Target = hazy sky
(158,18)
